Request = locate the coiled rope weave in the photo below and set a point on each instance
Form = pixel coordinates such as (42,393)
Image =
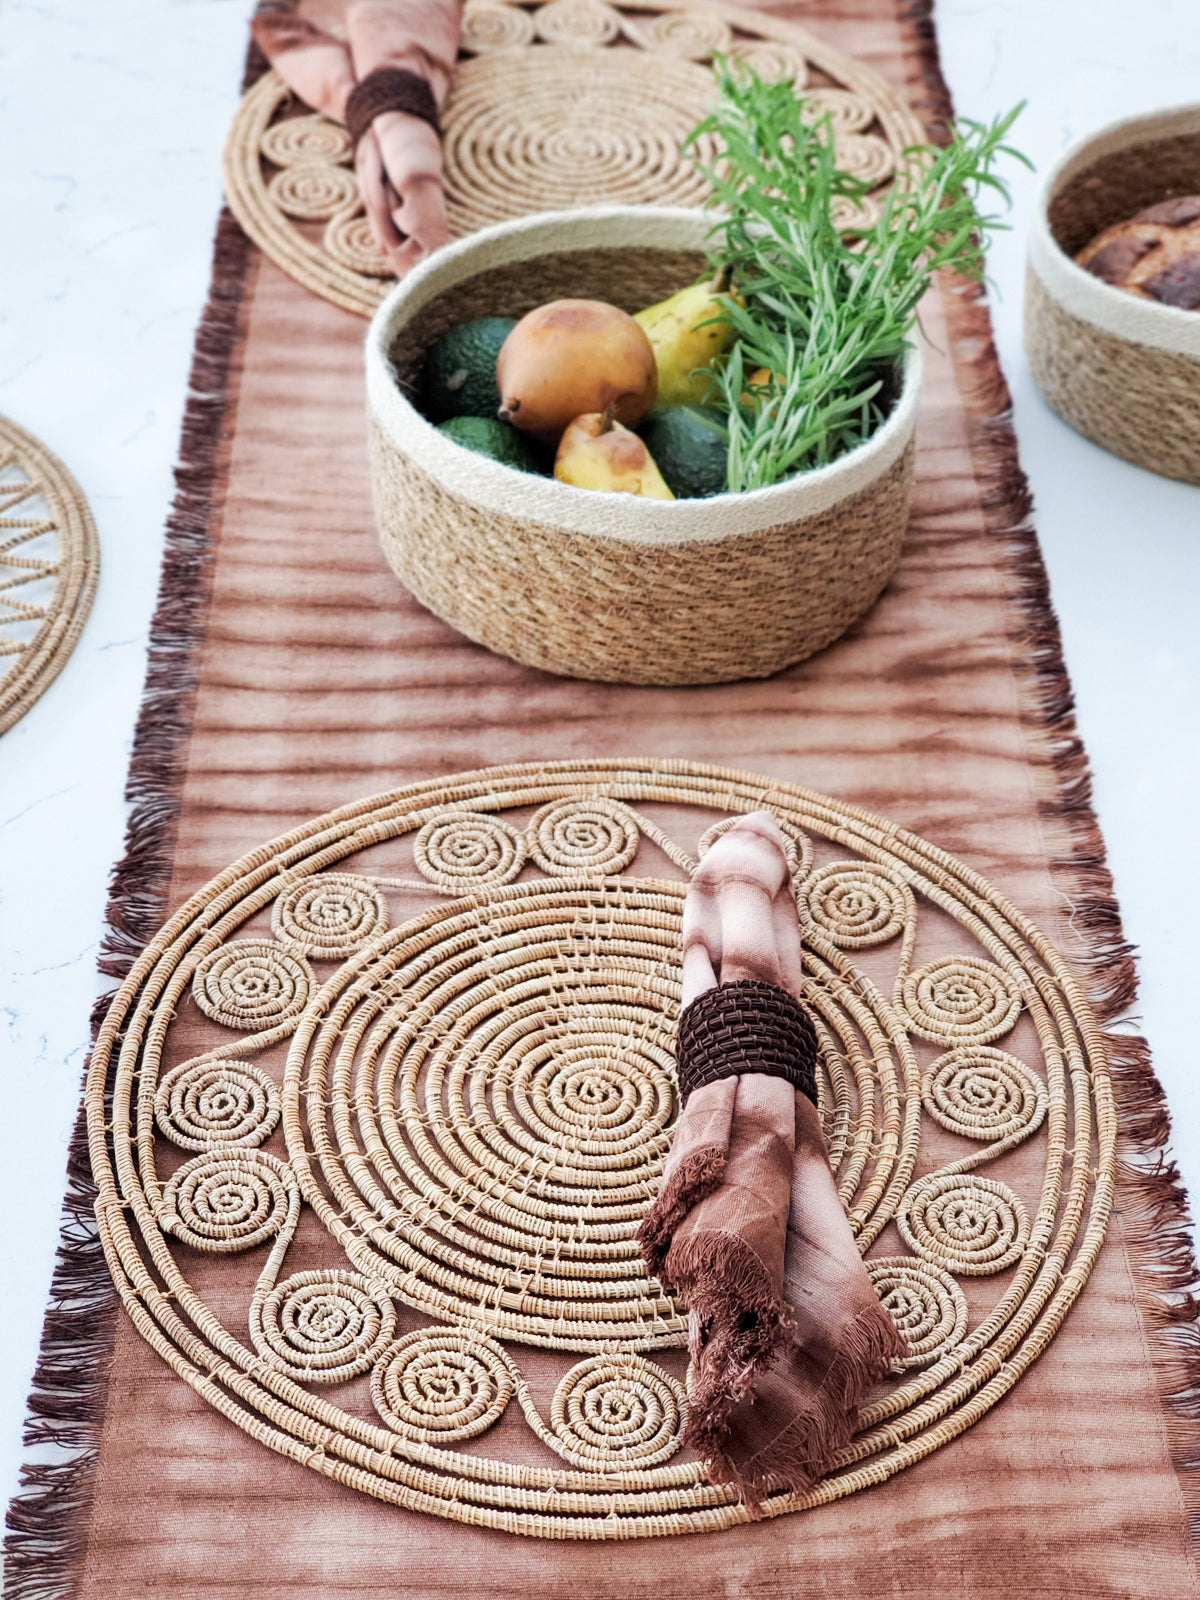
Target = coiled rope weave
(471,1106)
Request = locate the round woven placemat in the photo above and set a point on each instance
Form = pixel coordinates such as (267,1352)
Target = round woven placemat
(574,102)
(429,1037)
(49,564)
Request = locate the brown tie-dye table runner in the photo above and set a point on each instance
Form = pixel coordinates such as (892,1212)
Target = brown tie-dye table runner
(291,673)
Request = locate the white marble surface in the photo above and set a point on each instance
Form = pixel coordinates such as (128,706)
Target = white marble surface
(111,120)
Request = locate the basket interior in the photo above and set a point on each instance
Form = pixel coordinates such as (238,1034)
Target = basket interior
(1116,186)
(629,278)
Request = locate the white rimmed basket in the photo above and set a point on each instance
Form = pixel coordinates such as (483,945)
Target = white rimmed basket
(1123,370)
(614,586)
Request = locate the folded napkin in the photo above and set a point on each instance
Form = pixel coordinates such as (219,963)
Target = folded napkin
(386,85)
(786,1333)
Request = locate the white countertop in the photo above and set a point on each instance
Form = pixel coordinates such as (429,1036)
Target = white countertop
(112,118)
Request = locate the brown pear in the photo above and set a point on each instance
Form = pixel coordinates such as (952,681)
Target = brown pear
(570,358)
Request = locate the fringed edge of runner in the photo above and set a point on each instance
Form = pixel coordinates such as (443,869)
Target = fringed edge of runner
(1152,1202)
(48,1518)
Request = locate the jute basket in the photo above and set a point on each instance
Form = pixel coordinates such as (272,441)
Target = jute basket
(613,586)
(1121,369)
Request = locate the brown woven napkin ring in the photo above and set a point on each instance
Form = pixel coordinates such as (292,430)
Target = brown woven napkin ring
(389,89)
(746,1027)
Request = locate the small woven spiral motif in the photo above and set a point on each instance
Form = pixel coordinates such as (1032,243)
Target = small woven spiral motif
(693,35)
(226,1203)
(854,217)
(964,1223)
(313,191)
(349,239)
(305,139)
(959,999)
(855,904)
(577,22)
(251,984)
(330,916)
(984,1093)
(595,838)
(438,1385)
(924,1302)
(613,1412)
(487,26)
(465,850)
(848,112)
(203,1104)
(865,157)
(323,1327)
(773,61)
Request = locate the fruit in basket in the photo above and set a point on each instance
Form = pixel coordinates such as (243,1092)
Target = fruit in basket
(688,331)
(459,375)
(690,444)
(596,452)
(491,437)
(573,357)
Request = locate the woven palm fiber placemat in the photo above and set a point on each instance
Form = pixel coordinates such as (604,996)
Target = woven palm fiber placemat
(291,675)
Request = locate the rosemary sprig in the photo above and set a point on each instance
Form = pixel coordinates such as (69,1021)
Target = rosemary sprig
(828,313)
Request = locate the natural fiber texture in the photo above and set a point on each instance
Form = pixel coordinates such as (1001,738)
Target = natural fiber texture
(49,565)
(746,1027)
(947,709)
(508,1062)
(553,105)
(721,601)
(1140,403)
(1139,399)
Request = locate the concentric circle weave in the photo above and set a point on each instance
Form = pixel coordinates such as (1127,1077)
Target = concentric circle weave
(474,1102)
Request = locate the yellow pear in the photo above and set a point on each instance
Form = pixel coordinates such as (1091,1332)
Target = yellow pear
(597,453)
(685,337)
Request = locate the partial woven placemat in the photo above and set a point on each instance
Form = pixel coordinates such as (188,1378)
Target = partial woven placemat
(473,1113)
(574,102)
(49,565)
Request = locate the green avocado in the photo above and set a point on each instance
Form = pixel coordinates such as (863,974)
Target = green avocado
(494,438)
(690,444)
(459,376)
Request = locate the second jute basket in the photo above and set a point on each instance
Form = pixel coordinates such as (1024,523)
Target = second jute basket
(1121,368)
(613,586)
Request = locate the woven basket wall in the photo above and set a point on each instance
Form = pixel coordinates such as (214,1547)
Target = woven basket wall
(612,586)
(1123,370)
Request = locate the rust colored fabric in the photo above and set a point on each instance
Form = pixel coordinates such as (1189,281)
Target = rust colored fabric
(786,1335)
(292,673)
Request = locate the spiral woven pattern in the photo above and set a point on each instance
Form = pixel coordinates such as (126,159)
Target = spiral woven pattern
(468,850)
(305,140)
(612,1412)
(349,241)
(865,157)
(313,192)
(772,60)
(961,998)
(490,26)
(581,22)
(330,917)
(251,984)
(323,1327)
(223,1204)
(984,1093)
(856,904)
(440,1384)
(924,1302)
(475,1111)
(693,34)
(964,1223)
(204,1105)
(611,132)
(595,838)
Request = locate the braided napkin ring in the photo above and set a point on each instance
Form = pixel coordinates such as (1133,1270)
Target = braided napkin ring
(389,89)
(746,1027)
